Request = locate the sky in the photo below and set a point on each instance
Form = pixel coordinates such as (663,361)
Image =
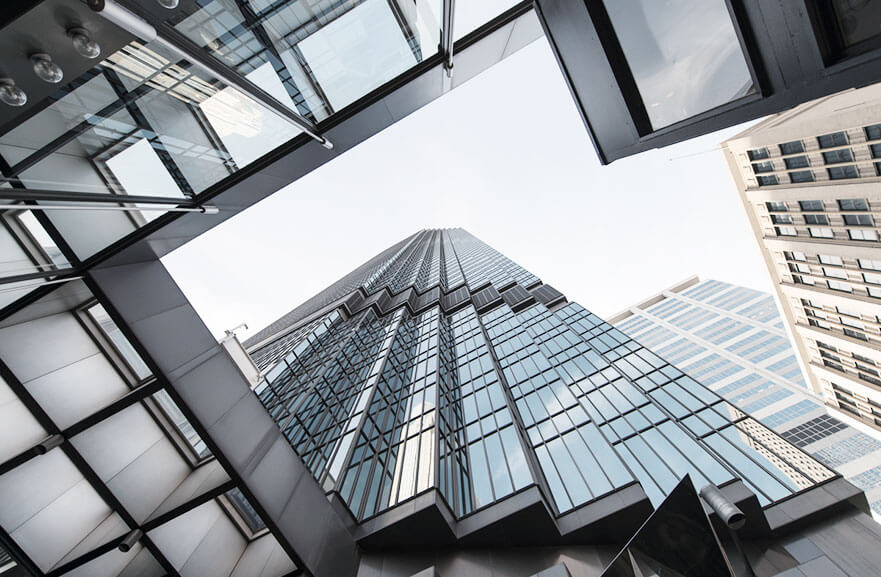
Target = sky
(505,156)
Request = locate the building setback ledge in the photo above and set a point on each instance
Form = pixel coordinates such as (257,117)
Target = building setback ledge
(523,518)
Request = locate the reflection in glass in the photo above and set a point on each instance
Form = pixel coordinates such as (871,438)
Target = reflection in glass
(684,55)
(857,20)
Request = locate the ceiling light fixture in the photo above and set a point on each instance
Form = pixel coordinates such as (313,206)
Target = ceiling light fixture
(170,4)
(84,43)
(11,94)
(47,70)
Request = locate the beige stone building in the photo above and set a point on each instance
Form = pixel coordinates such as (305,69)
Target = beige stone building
(809,180)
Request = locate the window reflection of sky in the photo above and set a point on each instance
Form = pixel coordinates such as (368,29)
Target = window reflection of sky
(684,55)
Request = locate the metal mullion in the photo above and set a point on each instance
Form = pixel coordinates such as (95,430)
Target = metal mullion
(214,138)
(18,555)
(446,46)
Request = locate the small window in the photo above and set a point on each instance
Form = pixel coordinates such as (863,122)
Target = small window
(855,334)
(799,267)
(837,156)
(811,205)
(794,255)
(816,219)
(873,132)
(759,167)
(802,176)
(830,259)
(858,220)
(796,162)
(842,172)
(876,150)
(850,313)
(803,280)
(823,345)
(835,273)
(839,286)
(874,292)
(872,278)
(869,264)
(877,169)
(781,219)
(776,206)
(862,234)
(863,359)
(821,232)
(122,345)
(853,204)
(757,153)
(794,147)
(786,231)
(767,180)
(832,140)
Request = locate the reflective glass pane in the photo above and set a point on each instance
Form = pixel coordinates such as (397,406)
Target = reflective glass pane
(684,55)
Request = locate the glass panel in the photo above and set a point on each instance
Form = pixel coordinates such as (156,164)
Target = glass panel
(684,55)
(320,56)
(245,510)
(173,412)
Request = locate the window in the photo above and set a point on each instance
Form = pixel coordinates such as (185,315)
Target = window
(816,219)
(120,343)
(863,359)
(757,153)
(839,286)
(876,150)
(802,176)
(811,205)
(837,156)
(869,264)
(821,232)
(853,204)
(830,259)
(878,169)
(873,292)
(658,72)
(776,206)
(862,234)
(766,166)
(842,172)
(873,132)
(849,313)
(823,345)
(871,278)
(803,280)
(794,147)
(835,273)
(795,255)
(799,267)
(832,140)
(855,334)
(767,180)
(786,231)
(858,220)
(781,219)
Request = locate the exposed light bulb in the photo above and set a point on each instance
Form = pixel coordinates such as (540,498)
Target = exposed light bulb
(170,4)
(84,43)
(47,70)
(11,94)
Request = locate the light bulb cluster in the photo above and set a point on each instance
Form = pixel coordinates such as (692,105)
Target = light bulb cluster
(46,69)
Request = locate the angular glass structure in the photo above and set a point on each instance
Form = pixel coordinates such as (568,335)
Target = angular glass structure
(441,365)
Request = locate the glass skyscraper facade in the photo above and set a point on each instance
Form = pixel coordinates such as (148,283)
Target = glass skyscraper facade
(731,339)
(448,367)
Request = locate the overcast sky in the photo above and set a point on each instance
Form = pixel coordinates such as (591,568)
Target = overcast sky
(506,157)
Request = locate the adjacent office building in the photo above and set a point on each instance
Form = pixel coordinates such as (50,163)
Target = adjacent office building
(445,398)
(732,340)
(809,180)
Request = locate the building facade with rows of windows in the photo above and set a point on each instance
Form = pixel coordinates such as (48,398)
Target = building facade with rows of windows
(810,180)
(442,395)
(732,340)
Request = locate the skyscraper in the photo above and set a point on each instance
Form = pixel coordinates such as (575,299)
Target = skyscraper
(808,179)
(442,394)
(732,340)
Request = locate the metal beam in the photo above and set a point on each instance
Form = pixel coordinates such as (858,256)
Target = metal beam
(42,195)
(446,46)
